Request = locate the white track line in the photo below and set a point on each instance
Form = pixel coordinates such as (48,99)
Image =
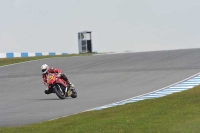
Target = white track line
(158,93)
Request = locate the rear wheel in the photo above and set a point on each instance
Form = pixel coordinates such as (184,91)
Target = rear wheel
(59,92)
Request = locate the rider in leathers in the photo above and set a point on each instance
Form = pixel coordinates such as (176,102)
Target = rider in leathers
(46,70)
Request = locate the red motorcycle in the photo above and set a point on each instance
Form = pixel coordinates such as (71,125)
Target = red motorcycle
(58,86)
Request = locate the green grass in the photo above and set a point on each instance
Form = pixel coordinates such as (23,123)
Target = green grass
(7,61)
(175,113)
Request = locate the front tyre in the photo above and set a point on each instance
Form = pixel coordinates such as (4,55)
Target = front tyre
(74,93)
(59,92)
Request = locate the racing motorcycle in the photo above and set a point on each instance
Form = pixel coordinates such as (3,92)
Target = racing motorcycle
(58,85)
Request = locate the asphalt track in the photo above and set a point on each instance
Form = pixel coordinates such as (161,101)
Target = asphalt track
(99,80)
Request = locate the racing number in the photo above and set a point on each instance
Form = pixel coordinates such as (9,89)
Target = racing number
(50,77)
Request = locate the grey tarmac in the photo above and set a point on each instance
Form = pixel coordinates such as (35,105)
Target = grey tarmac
(99,80)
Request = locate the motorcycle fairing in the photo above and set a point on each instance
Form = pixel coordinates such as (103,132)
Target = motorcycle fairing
(51,78)
(60,81)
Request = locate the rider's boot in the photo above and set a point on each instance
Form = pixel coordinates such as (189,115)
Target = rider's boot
(46,91)
(71,86)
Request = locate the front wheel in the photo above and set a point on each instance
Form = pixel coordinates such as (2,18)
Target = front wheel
(74,93)
(59,92)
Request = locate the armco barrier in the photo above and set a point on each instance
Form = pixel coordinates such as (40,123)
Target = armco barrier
(27,54)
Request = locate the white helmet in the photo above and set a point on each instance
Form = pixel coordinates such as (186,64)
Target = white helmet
(44,68)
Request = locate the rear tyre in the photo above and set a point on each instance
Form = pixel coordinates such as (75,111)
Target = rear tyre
(59,92)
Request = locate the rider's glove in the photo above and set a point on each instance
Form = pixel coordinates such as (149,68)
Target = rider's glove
(58,74)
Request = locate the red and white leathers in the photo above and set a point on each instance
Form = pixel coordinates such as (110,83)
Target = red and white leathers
(50,70)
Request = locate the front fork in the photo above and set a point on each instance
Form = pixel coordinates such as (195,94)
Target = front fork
(59,88)
(68,90)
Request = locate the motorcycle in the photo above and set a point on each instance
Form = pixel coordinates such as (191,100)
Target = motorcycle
(58,86)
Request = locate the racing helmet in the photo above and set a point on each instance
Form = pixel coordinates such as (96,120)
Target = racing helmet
(44,68)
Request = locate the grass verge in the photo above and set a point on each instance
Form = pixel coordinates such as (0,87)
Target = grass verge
(7,61)
(175,113)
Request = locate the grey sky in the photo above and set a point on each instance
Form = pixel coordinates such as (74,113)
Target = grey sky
(116,25)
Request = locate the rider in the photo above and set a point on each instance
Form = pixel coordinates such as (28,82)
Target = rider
(46,69)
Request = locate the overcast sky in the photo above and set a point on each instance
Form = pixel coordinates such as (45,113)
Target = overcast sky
(116,25)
